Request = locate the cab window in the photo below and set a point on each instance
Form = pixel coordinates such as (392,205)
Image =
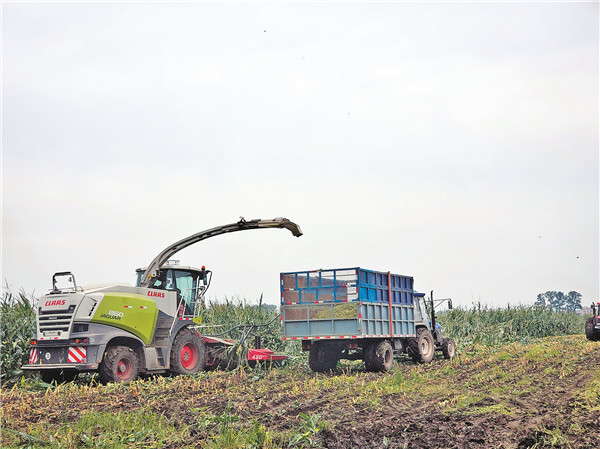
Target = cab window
(164,280)
(186,283)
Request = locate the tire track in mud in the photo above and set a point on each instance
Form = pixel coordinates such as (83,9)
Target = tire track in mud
(413,424)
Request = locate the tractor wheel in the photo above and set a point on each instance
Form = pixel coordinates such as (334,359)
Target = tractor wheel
(187,353)
(448,348)
(382,356)
(322,357)
(57,375)
(422,347)
(120,365)
(590,332)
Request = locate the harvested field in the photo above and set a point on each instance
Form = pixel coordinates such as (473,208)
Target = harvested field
(536,395)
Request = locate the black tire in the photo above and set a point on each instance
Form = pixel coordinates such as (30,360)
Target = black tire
(448,348)
(590,332)
(382,357)
(422,347)
(188,354)
(58,376)
(120,364)
(368,355)
(322,357)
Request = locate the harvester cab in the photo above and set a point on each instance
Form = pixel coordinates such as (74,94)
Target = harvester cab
(188,282)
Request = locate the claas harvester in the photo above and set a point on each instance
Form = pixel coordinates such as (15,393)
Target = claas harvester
(122,331)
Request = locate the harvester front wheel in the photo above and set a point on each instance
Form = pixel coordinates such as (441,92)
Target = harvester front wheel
(120,365)
(448,348)
(188,353)
(322,357)
(590,332)
(422,347)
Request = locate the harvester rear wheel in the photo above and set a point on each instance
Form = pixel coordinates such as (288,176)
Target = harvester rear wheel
(422,347)
(120,364)
(590,332)
(448,348)
(382,357)
(322,357)
(188,353)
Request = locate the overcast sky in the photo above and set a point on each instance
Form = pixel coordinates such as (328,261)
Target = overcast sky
(453,142)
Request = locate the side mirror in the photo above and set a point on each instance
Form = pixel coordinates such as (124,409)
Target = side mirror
(204,275)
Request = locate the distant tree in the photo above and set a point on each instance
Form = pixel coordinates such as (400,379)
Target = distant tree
(559,301)
(541,301)
(573,301)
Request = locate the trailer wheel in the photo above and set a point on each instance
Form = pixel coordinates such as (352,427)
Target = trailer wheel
(382,356)
(368,355)
(422,347)
(187,353)
(322,357)
(448,348)
(590,332)
(120,364)
(58,376)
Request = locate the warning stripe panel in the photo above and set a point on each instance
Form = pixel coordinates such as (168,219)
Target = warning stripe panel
(33,356)
(77,354)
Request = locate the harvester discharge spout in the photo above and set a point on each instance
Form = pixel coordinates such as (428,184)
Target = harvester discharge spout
(241,225)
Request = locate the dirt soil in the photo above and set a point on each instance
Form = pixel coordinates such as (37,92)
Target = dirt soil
(544,394)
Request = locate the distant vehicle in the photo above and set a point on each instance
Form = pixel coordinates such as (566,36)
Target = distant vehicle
(592,325)
(360,314)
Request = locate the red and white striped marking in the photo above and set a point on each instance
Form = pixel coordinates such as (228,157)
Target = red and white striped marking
(346,336)
(77,354)
(33,356)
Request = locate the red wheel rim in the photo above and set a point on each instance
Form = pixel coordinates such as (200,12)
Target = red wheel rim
(189,356)
(124,369)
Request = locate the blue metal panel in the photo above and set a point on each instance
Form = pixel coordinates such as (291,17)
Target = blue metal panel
(305,293)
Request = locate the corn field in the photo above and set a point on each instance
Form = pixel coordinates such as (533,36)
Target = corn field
(235,319)
(17,320)
(489,326)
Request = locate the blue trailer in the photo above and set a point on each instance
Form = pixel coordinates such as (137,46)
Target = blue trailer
(359,314)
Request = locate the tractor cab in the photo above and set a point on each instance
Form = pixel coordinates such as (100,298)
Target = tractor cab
(190,284)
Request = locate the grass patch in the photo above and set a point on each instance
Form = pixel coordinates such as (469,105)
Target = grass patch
(133,429)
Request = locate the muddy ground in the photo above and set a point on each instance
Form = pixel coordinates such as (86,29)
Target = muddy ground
(544,394)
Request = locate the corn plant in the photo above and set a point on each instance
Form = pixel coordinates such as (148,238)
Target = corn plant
(235,319)
(18,324)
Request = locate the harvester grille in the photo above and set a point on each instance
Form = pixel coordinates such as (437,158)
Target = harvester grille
(55,321)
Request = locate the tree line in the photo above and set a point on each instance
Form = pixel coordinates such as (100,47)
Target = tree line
(559,301)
